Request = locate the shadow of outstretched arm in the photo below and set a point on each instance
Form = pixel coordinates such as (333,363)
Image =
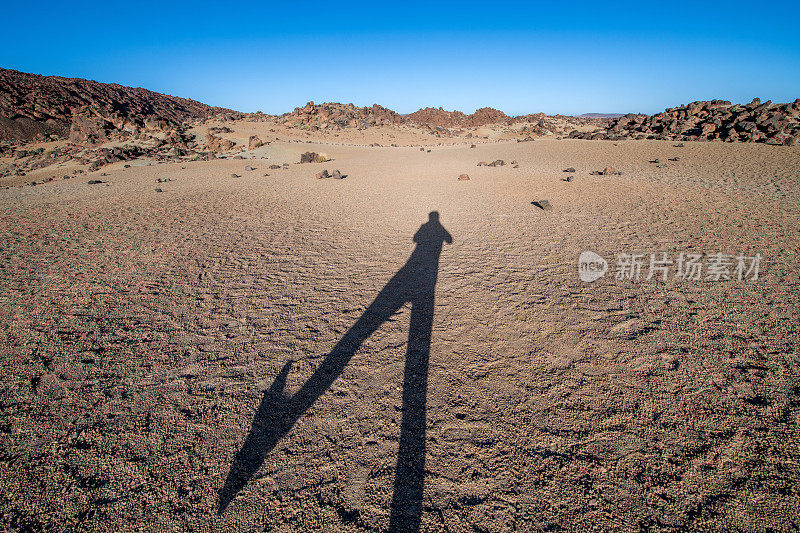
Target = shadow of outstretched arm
(277,413)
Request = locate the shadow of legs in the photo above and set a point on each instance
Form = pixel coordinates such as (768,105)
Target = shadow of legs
(410,472)
(277,414)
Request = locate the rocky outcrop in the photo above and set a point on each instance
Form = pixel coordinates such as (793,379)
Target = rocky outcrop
(438,117)
(439,122)
(714,120)
(218,144)
(333,115)
(485,116)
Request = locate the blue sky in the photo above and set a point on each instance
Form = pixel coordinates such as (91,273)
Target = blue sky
(557,57)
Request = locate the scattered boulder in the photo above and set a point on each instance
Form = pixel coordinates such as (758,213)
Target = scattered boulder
(274,167)
(569,178)
(496,163)
(544,205)
(254,142)
(608,171)
(248,168)
(336,174)
(483,164)
(570,169)
(218,144)
(235,176)
(158,189)
(313,157)
(463,177)
(94,182)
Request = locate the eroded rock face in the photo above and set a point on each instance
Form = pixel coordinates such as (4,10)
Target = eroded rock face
(714,120)
(86,128)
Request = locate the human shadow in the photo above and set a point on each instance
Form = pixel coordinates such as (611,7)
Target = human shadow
(414,283)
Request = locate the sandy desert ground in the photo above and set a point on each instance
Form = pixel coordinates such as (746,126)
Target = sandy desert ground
(240,353)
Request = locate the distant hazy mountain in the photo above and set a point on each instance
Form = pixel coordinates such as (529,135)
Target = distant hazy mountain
(601,115)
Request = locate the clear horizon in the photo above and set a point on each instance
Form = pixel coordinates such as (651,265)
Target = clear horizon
(520,59)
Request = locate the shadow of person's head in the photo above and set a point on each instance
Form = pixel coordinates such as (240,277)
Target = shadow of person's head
(432,233)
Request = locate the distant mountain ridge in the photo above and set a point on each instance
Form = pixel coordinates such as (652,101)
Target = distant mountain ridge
(36,107)
(336,115)
(601,115)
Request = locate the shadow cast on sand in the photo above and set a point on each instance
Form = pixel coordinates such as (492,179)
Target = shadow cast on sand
(414,283)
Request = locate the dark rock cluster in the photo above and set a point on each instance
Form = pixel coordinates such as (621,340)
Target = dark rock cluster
(715,120)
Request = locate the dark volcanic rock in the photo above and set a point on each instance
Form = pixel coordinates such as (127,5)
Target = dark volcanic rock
(714,120)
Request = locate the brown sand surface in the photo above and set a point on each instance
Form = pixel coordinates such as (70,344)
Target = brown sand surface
(140,331)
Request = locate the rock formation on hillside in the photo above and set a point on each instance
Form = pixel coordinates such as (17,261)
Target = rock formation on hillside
(34,106)
(709,121)
(137,122)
